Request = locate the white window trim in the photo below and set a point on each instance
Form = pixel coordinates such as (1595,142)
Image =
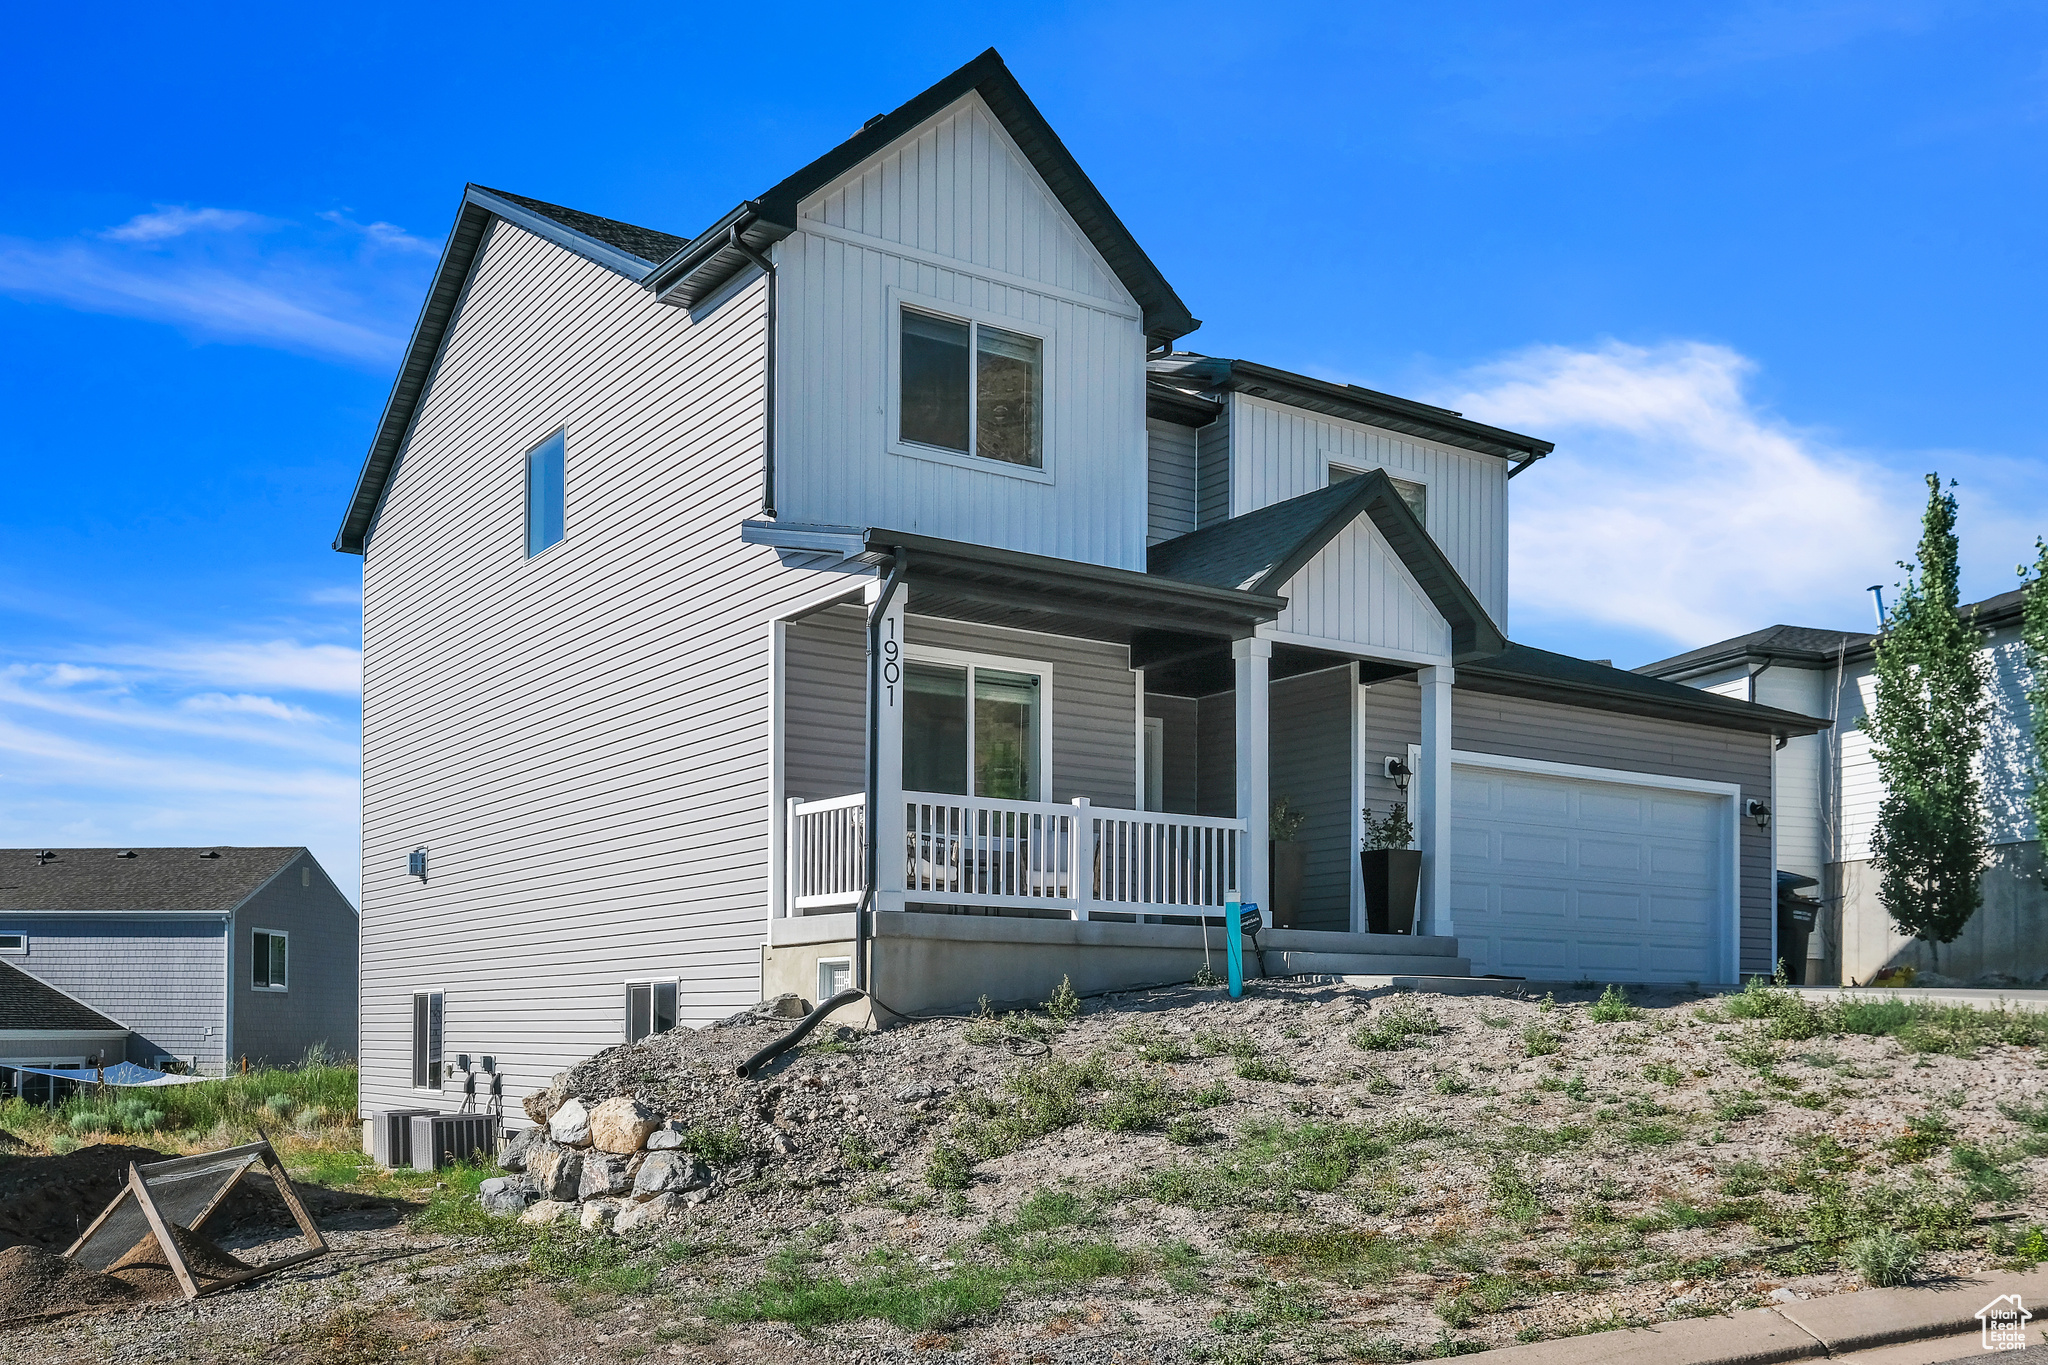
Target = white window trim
(626,1009)
(899,298)
(440,1072)
(832,962)
(1352,465)
(274,933)
(1001,663)
(526,495)
(19,950)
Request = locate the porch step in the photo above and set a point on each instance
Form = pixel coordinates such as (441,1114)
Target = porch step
(1285,962)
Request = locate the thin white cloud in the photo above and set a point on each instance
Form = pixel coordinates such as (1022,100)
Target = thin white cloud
(336,597)
(283,664)
(276,311)
(247,704)
(170,220)
(72,675)
(389,236)
(1674,505)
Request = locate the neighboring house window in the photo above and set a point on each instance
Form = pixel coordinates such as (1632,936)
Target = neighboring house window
(971,389)
(1416,495)
(268,960)
(426,1040)
(544,494)
(650,1008)
(13,943)
(972,729)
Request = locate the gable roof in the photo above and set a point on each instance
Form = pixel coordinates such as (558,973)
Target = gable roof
(154,879)
(714,255)
(1525,671)
(1259,551)
(1195,373)
(1811,647)
(30,1004)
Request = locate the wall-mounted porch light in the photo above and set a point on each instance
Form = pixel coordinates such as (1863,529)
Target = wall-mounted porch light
(1397,770)
(1757,811)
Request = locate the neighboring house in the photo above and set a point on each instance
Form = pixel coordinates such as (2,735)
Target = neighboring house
(1829,789)
(42,1026)
(204,955)
(890,490)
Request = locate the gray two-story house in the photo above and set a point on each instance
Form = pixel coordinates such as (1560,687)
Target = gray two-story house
(871,587)
(208,957)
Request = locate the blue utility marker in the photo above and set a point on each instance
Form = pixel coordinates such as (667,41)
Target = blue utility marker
(1239,919)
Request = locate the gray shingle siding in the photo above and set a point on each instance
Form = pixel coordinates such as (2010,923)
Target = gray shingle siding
(319,1004)
(164,979)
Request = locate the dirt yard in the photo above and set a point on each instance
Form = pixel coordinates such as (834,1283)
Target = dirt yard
(1314,1172)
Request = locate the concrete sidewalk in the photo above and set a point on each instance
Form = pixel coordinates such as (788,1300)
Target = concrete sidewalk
(1877,1321)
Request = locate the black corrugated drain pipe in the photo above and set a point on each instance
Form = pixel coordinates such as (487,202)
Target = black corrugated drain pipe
(753,1065)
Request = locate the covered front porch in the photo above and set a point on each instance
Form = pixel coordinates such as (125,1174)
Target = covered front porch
(1026,727)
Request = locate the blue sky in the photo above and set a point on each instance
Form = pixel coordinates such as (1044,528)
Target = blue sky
(1754,268)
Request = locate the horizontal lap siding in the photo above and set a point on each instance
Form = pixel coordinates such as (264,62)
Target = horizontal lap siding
(580,740)
(1521,728)
(1094,703)
(163,979)
(824,705)
(318,1006)
(952,216)
(1279,452)
(1309,763)
(1216,755)
(1179,719)
(1171,450)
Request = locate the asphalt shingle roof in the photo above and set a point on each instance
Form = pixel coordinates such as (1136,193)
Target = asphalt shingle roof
(154,879)
(1524,670)
(646,243)
(26,1003)
(1243,551)
(1811,645)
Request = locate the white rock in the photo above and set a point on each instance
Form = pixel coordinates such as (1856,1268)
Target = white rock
(548,1211)
(663,1171)
(658,1209)
(598,1215)
(666,1138)
(557,1172)
(570,1124)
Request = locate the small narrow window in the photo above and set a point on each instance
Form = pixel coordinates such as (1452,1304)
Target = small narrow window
(305,876)
(13,943)
(971,389)
(426,1040)
(650,1008)
(268,960)
(835,974)
(544,494)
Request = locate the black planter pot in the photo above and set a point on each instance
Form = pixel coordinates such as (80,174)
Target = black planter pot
(1392,876)
(1286,868)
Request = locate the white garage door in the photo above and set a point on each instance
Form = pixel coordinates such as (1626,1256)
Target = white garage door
(1564,878)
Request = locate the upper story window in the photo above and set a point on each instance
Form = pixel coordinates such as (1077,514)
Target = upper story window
(1416,495)
(544,494)
(971,388)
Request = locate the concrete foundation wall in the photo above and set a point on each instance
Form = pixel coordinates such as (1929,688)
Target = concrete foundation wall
(2008,936)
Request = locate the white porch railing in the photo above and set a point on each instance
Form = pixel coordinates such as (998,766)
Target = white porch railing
(961,850)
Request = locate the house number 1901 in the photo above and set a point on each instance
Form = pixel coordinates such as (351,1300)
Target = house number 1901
(892,668)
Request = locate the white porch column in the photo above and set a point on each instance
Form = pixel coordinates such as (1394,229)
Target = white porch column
(885,678)
(1433,827)
(1253,659)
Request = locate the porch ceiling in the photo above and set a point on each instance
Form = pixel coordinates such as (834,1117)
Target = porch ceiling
(1062,597)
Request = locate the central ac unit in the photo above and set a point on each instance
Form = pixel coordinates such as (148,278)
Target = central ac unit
(446,1139)
(391,1136)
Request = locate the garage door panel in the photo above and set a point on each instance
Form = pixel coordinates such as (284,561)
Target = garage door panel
(1565,878)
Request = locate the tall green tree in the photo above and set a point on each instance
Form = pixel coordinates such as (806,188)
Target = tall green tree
(1927,728)
(2034,641)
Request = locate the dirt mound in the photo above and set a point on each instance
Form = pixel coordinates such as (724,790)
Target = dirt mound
(145,1269)
(37,1283)
(47,1201)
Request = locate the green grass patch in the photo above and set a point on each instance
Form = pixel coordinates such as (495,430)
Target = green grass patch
(1269,1165)
(1613,1007)
(1392,1027)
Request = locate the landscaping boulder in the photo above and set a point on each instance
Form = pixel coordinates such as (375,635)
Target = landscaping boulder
(539,1106)
(505,1196)
(621,1125)
(784,1006)
(548,1211)
(570,1124)
(513,1158)
(602,1176)
(665,1172)
(646,1213)
(556,1172)
(666,1138)
(598,1215)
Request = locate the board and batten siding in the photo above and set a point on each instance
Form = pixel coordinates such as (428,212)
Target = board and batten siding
(165,979)
(580,739)
(318,1005)
(1170,511)
(1279,452)
(1523,728)
(953,215)
(1356,594)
